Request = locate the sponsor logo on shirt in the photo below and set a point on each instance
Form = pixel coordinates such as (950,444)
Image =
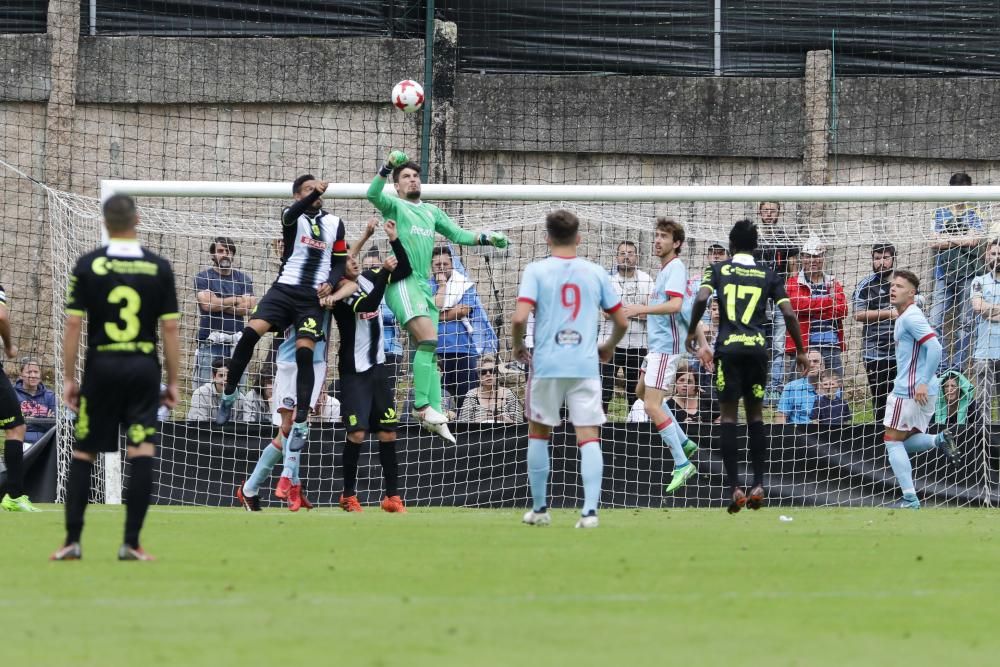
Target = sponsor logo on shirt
(568,337)
(312,243)
(420,231)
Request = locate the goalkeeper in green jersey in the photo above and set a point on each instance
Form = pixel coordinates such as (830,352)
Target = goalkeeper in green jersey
(410,299)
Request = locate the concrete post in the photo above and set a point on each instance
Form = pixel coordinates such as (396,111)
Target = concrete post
(443,112)
(64,36)
(816,137)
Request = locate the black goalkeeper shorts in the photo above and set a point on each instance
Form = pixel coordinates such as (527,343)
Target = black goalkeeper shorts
(741,376)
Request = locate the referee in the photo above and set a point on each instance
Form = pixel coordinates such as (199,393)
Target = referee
(125,292)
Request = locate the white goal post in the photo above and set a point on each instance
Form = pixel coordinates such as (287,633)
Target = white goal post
(628,209)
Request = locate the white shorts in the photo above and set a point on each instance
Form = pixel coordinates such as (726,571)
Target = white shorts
(545,397)
(285,395)
(661,370)
(905,414)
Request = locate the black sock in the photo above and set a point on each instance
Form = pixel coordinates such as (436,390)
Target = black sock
(13,459)
(727,447)
(352,452)
(77,495)
(241,357)
(390,467)
(758,452)
(140,488)
(304,379)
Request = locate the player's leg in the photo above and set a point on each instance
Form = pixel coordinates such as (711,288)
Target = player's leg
(384,420)
(140,490)
(81,467)
(753,381)
(728,390)
(349,465)
(413,311)
(140,404)
(688,446)
(242,354)
(12,421)
(543,401)
(248,492)
(387,458)
(290,459)
(661,369)
(583,400)
(898,426)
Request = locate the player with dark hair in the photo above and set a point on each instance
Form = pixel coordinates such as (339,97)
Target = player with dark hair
(312,263)
(12,422)
(124,291)
(410,299)
(741,354)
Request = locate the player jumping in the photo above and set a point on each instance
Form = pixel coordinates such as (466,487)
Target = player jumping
(741,353)
(565,292)
(12,422)
(124,291)
(411,300)
(910,406)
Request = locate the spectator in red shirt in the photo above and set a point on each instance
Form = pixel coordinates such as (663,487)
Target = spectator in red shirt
(820,304)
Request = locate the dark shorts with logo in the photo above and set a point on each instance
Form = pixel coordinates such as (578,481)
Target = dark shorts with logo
(285,305)
(10,407)
(741,376)
(366,401)
(118,390)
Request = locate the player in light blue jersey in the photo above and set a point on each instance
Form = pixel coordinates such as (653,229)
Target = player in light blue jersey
(910,406)
(667,328)
(565,293)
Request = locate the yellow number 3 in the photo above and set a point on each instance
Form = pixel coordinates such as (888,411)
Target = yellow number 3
(130,302)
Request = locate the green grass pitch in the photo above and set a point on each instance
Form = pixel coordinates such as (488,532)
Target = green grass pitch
(475,587)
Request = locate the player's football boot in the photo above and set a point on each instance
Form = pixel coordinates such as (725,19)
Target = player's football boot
(305,499)
(350,504)
(225,411)
(250,503)
(738,501)
(909,502)
(681,476)
(393,505)
(19,504)
(296,500)
(125,552)
(540,518)
(588,520)
(755,500)
(945,441)
(428,415)
(690,447)
(70,551)
(282,488)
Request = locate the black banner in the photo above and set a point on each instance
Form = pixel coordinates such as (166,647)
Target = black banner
(202,466)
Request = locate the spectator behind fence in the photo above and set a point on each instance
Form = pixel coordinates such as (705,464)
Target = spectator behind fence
(958,411)
(257,401)
(206,398)
(878,317)
(775,249)
(36,399)
(798,398)
(820,304)
(490,403)
(393,343)
(327,408)
(633,286)
(985,298)
(831,409)
(958,232)
(464,330)
(688,402)
(225,297)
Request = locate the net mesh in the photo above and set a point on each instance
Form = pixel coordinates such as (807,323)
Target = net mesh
(839,461)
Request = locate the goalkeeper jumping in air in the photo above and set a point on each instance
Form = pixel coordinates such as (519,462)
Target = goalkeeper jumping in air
(410,299)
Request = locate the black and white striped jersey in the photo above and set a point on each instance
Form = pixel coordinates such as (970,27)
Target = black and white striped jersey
(315,248)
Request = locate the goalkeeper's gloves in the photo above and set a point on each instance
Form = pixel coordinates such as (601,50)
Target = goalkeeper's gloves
(495,239)
(396,159)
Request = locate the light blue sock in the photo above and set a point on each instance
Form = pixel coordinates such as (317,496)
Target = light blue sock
(919,442)
(901,468)
(592,471)
(669,432)
(538,471)
(291,465)
(265,464)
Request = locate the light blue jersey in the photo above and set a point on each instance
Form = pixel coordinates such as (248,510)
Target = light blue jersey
(667,332)
(568,294)
(286,351)
(987,288)
(917,353)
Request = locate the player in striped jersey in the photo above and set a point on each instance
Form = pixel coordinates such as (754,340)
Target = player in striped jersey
(566,294)
(312,263)
(910,406)
(411,300)
(366,392)
(666,333)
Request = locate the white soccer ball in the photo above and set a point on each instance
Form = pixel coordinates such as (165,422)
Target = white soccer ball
(408,96)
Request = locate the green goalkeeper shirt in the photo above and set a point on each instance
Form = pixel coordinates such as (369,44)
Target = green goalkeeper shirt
(417,225)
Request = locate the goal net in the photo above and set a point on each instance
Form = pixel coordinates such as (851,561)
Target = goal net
(824,433)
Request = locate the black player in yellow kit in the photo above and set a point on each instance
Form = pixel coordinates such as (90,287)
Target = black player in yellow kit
(126,292)
(744,289)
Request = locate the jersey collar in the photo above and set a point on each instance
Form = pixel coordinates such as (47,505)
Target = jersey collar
(744,258)
(124,248)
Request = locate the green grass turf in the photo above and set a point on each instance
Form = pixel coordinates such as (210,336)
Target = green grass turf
(475,587)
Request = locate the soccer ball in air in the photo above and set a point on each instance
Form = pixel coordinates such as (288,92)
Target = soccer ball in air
(408,96)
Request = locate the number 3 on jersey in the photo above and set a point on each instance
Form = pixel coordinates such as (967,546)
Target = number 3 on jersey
(734,293)
(571,298)
(130,302)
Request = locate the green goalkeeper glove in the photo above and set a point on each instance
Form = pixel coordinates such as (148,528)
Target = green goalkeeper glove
(495,239)
(397,159)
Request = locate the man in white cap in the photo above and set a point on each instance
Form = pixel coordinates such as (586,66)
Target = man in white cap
(820,304)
